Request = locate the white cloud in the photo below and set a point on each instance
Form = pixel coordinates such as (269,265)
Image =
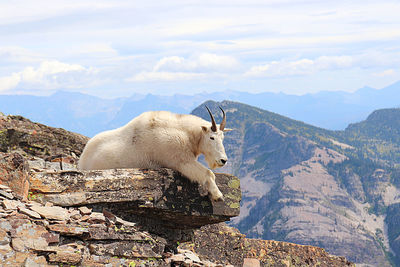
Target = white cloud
(215,62)
(172,63)
(47,71)
(300,67)
(175,68)
(9,82)
(205,62)
(48,75)
(385,73)
(164,76)
(17,54)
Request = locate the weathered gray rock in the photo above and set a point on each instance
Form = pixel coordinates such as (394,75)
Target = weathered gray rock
(190,255)
(128,249)
(26,236)
(29,212)
(161,194)
(70,254)
(10,204)
(178,258)
(6,194)
(5,188)
(69,229)
(249,262)
(96,217)
(52,213)
(4,238)
(29,262)
(85,211)
(57,164)
(75,214)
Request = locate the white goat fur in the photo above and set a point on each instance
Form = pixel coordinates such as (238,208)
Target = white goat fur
(160,139)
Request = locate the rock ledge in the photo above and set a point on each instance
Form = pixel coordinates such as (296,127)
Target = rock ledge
(163,195)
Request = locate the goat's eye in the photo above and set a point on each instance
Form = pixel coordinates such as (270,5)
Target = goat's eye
(212,138)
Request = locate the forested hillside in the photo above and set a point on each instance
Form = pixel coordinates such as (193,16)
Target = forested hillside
(304,184)
(378,137)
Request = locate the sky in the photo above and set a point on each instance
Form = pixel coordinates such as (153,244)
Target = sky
(119,48)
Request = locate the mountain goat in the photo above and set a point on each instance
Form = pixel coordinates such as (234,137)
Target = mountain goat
(157,139)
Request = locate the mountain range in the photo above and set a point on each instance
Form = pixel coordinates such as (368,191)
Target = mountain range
(89,115)
(303,184)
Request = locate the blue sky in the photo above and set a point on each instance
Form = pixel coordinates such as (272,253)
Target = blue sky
(118,48)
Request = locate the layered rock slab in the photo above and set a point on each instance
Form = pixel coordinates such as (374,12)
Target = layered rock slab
(163,195)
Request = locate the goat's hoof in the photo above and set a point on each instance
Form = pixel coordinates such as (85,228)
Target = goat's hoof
(218,198)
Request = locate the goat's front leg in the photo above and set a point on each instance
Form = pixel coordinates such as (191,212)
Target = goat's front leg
(196,172)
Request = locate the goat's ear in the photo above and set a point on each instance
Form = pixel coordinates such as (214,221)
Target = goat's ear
(227,130)
(205,128)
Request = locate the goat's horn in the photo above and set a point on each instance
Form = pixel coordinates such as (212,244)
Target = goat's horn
(214,125)
(222,125)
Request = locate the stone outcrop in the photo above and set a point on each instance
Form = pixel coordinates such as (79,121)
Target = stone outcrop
(220,242)
(34,139)
(52,215)
(162,195)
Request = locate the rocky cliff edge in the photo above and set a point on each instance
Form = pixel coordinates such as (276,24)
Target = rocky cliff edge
(53,215)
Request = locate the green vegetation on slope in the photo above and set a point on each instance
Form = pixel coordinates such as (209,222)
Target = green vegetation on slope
(372,148)
(378,137)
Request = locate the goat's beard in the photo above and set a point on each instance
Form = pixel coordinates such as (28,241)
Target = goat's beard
(211,164)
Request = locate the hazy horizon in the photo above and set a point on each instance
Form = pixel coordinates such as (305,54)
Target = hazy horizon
(49,93)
